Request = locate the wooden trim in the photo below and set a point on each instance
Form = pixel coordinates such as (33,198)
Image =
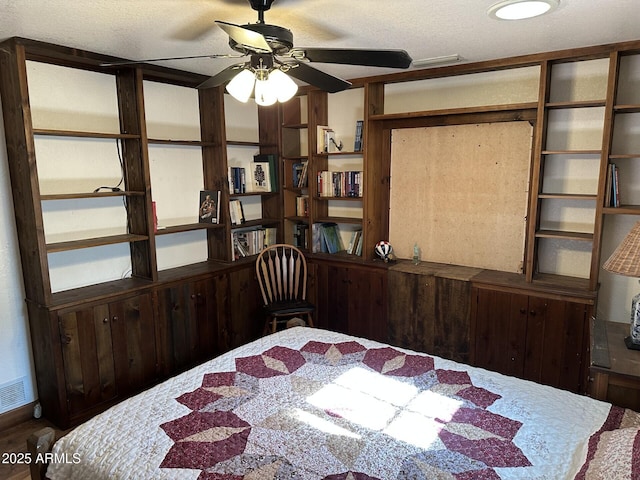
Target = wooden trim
(16,416)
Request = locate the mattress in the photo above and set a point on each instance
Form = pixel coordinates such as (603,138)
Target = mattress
(312,404)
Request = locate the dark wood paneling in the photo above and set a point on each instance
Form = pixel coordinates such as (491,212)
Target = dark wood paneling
(412,306)
(500,330)
(367,303)
(451,331)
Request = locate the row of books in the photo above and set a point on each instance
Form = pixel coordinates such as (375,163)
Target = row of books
(258,176)
(340,184)
(299,176)
(252,242)
(327,239)
(612,194)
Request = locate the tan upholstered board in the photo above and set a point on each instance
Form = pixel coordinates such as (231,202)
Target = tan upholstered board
(461,193)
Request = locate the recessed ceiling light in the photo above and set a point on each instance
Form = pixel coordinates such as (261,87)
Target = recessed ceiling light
(521,9)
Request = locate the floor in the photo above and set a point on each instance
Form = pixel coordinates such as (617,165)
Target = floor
(14,440)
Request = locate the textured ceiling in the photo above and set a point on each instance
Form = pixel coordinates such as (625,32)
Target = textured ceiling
(142,29)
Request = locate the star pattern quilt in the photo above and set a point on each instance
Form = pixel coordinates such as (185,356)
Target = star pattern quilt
(312,404)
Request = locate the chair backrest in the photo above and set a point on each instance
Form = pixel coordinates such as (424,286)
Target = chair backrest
(282,274)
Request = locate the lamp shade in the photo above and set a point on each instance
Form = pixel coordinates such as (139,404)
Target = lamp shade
(626,259)
(265,93)
(284,87)
(241,86)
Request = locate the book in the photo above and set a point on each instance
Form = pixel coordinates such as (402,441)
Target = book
(616,178)
(356,237)
(273,168)
(209,211)
(331,235)
(155,216)
(296,174)
(357,144)
(236,212)
(260,177)
(303,180)
(302,206)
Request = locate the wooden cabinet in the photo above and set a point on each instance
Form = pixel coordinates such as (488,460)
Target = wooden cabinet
(533,337)
(351,299)
(108,352)
(189,315)
(430,308)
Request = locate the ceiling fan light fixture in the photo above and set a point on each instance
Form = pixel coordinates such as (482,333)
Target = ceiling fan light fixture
(241,86)
(521,9)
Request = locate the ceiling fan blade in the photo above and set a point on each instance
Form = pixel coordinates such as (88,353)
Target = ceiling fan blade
(243,36)
(317,78)
(351,56)
(136,62)
(222,77)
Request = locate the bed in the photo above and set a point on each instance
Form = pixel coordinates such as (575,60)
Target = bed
(312,404)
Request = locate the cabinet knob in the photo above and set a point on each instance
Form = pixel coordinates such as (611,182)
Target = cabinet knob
(105,320)
(114,318)
(513,359)
(532,313)
(523,311)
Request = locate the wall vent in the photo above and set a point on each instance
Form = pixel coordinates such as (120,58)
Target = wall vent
(12,395)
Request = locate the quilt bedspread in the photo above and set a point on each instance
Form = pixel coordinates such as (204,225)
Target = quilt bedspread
(311,404)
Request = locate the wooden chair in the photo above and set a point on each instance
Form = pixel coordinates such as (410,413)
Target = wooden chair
(282,275)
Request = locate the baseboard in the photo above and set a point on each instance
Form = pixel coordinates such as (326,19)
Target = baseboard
(16,416)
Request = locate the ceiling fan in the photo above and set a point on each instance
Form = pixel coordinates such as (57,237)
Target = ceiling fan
(273,57)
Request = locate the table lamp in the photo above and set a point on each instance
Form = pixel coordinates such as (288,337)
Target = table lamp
(626,261)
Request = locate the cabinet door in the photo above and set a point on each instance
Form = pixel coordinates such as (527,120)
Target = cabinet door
(108,351)
(190,324)
(451,330)
(134,343)
(87,352)
(244,318)
(500,330)
(430,314)
(352,300)
(556,343)
(412,311)
(367,303)
(332,307)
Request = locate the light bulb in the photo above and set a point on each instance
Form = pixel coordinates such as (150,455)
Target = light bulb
(241,86)
(265,93)
(282,84)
